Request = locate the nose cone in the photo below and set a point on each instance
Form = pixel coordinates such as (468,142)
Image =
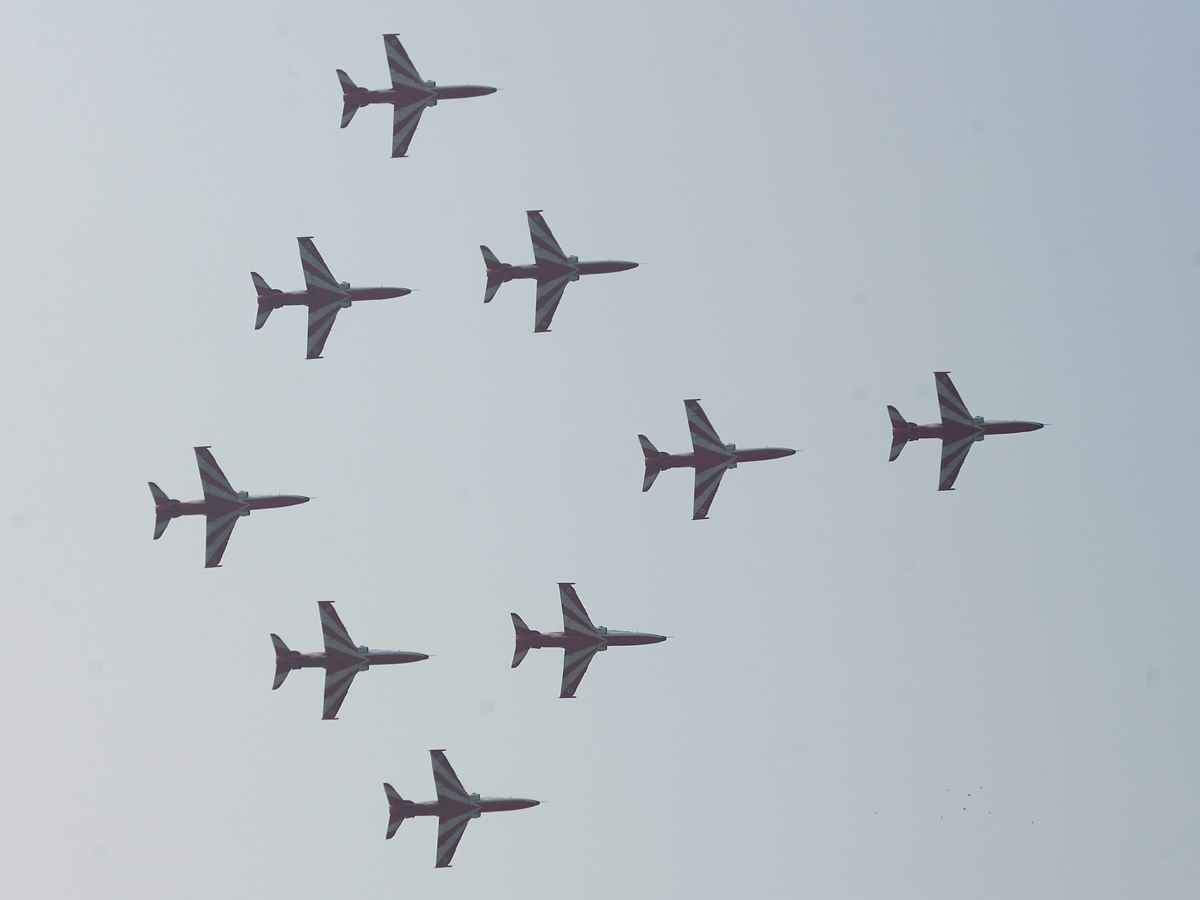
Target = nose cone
(786,451)
(297,500)
(626,264)
(657,638)
(1038,426)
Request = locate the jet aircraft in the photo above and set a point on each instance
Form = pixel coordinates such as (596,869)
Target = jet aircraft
(580,639)
(409,95)
(454,807)
(552,268)
(342,660)
(958,431)
(709,457)
(222,506)
(324,296)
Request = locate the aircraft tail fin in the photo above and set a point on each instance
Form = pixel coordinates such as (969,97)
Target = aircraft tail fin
(161,519)
(493,267)
(652,465)
(899,438)
(281,667)
(349,88)
(265,293)
(396,806)
(522,630)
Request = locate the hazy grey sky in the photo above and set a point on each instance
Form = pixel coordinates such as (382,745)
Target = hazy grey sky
(873,689)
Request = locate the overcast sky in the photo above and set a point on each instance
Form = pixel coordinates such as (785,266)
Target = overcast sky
(872,690)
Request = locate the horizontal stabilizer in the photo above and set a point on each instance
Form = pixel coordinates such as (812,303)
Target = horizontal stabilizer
(349,108)
(522,630)
(489,258)
(899,425)
(898,442)
(281,672)
(348,85)
(395,809)
(652,467)
(652,470)
(281,649)
(264,311)
(161,519)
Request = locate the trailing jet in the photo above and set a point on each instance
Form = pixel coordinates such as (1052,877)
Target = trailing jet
(958,430)
(580,639)
(409,95)
(454,807)
(222,506)
(709,457)
(342,660)
(552,268)
(324,296)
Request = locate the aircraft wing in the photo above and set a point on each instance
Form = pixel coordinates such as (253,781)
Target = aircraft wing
(403,72)
(317,278)
(575,663)
(575,618)
(320,323)
(954,411)
(337,684)
(450,832)
(337,640)
(545,247)
(404,125)
(954,454)
(707,482)
(549,293)
(218,532)
(212,480)
(449,789)
(705,439)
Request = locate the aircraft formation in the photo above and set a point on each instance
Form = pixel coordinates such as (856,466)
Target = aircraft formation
(580,639)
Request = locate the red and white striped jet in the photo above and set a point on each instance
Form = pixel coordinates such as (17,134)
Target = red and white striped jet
(324,296)
(409,95)
(342,660)
(710,457)
(958,431)
(580,639)
(552,268)
(454,807)
(221,507)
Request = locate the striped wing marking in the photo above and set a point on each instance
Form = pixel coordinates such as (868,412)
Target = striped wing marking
(450,832)
(954,411)
(317,277)
(549,293)
(400,67)
(404,125)
(216,486)
(217,533)
(575,663)
(320,323)
(705,440)
(575,618)
(545,247)
(707,482)
(954,454)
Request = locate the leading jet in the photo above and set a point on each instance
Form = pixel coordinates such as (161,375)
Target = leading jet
(710,457)
(552,268)
(409,95)
(454,807)
(958,431)
(221,507)
(580,639)
(324,296)
(342,660)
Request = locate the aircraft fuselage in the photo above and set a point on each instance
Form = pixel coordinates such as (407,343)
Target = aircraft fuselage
(608,638)
(939,431)
(704,460)
(408,96)
(508,272)
(370,657)
(411,809)
(217,508)
(280,299)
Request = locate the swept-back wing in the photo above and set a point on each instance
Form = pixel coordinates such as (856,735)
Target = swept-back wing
(575,618)
(549,293)
(404,124)
(320,323)
(317,277)
(217,534)
(337,640)
(575,663)
(216,486)
(337,683)
(954,411)
(707,482)
(954,454)
(449,789)
(704,437)
(450,832)
(403,72)
(545,247)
